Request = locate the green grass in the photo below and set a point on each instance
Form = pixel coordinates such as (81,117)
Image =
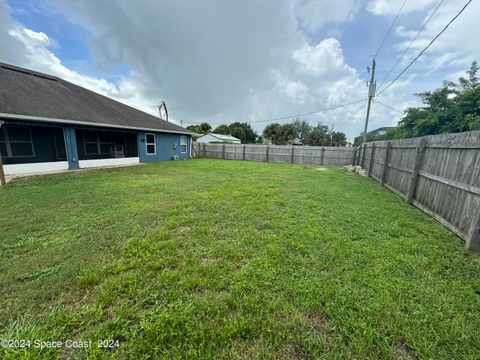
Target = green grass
(230,259)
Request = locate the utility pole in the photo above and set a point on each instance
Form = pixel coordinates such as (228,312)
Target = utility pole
(371,94)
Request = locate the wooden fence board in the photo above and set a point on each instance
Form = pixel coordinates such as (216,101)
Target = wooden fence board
(445,183)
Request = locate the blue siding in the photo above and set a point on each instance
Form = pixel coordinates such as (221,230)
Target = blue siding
(165,149)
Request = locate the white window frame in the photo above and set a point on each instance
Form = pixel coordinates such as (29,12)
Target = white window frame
(154,144)
(186,144)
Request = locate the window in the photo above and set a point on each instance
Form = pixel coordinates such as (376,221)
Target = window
(3,144)
(183,144)
(59,143)
(16,141)
(97,143)
(150,144)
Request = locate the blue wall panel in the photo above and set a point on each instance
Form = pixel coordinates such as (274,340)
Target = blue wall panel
(167,146)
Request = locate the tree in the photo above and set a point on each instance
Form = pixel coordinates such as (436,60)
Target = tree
(302,130)
(222,129)
(243,131)
(287,134)
(319,136)
(338,138)
(194,128)
(272,132)
(455,107)
(204,128)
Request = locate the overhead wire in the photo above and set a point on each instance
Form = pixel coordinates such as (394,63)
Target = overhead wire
(389,29)
(424,49)
(388,106)
(411,43)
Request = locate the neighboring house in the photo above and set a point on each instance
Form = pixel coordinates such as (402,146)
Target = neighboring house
(376,132)
(215,138)
(296,142)
(51,124)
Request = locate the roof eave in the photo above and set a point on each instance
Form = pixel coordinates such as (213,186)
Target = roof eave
(77,122)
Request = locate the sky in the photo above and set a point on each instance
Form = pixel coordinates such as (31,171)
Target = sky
(221,61)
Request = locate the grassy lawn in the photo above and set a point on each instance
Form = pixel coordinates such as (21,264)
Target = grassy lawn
(231,259)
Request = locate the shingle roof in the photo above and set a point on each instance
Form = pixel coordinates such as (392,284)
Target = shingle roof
(28,93)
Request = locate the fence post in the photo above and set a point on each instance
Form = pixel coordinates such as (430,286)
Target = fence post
(372,159)
(385,162)
(354,156)
(416,170)
(322,159)
(243,156)
(267,154)
(204,150)
(223,151)
(473,236)
(363,156)
(293,149)
(2,173)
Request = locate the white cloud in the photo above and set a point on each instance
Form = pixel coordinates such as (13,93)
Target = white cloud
(457,46)
(216,61)
(391,7)
(313,14)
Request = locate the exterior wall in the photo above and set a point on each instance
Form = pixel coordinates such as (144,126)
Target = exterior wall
(35,167)
(108,162)
(167,146)
(57,148)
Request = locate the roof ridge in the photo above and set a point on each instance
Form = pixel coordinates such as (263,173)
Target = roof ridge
(29,71)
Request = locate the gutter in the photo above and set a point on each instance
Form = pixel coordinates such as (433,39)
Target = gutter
(75,122)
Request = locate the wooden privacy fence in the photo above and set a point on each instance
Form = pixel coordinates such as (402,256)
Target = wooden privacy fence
(312,155)
(439,174)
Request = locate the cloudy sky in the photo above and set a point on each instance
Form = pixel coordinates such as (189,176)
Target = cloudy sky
(222,61)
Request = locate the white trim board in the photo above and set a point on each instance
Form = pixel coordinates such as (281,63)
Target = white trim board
(108,162)
(40,167)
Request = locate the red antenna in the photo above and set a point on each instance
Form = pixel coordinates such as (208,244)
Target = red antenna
(162,110)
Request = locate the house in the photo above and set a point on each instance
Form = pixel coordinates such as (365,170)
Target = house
(50,124)
(295,142)
(218,138)
(377,132)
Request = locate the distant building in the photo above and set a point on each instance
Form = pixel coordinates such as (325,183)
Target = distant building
(296,142)
(377,132)
(218,138)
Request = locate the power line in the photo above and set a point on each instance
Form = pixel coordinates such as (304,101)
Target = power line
(296,115)
(388,106)
(411,43)
(390,29)
(425,49)
(310,113)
